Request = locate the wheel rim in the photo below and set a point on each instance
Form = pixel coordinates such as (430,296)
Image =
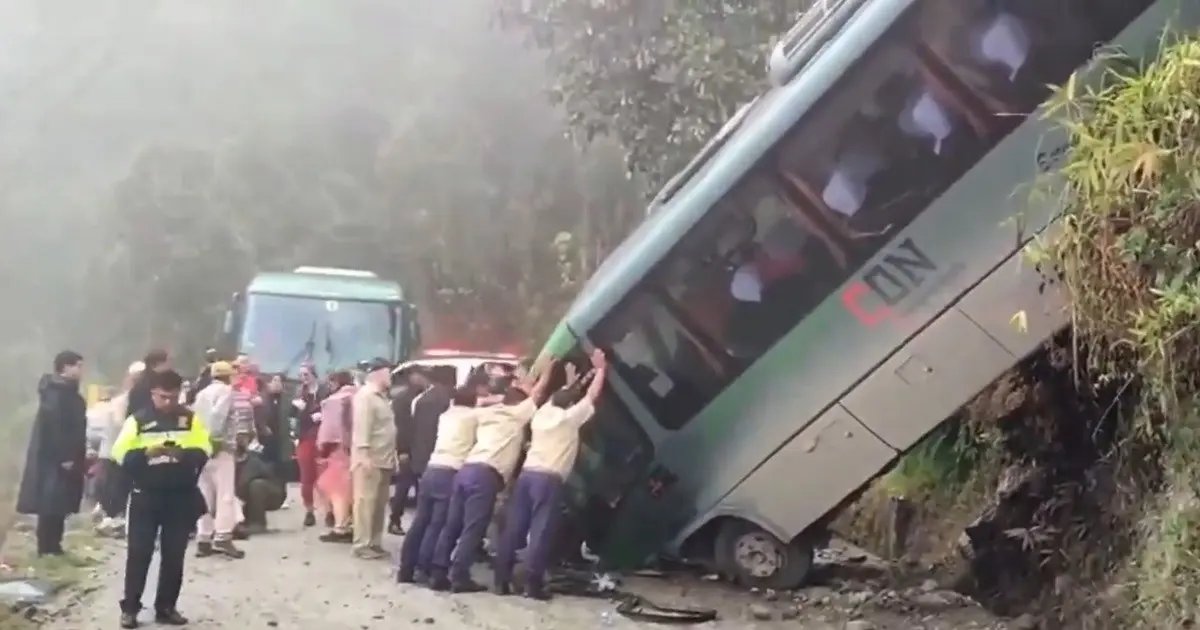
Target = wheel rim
(758,555)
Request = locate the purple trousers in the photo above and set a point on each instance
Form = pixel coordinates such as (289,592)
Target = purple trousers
(433,505)
(533,511)
(471,506)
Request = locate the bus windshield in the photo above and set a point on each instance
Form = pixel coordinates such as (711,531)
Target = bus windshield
(281,332)
(614,452)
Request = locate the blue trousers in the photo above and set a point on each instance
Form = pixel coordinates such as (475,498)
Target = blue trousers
(533,511)
(433,505)
(471,506)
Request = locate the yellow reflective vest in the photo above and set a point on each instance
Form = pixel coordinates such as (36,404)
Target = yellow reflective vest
(177,469)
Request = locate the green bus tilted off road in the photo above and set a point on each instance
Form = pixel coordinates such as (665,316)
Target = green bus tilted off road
(834,276)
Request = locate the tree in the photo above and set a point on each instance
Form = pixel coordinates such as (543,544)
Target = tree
(416,145)
(659,77)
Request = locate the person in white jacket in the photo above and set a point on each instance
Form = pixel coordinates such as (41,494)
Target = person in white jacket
(114,485)
(218,481)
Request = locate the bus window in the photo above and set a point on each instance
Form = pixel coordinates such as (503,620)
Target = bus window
(758,278)
(661,360)
(1008,52)
(614,452)
(914,113)
(888,139)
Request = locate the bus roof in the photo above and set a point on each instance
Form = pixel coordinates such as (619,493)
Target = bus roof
(774,115)
(331,287)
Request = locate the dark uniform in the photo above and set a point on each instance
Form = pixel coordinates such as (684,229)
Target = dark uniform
(163,453)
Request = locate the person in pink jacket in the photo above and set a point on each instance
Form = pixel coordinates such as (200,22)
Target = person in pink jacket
(333,451)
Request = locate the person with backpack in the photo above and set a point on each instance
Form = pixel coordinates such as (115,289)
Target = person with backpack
(218,479)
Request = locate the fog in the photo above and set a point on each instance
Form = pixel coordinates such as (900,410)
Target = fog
(157,153)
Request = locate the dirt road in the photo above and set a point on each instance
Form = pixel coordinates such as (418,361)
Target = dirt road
(291,580)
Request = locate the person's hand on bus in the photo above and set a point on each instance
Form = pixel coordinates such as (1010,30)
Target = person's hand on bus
(599,360)
(572,373)
(598,374)
(542,382)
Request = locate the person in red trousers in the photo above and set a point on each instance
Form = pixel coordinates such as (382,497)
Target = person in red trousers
(305,408)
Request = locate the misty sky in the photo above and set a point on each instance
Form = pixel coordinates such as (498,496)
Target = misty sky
(85,83)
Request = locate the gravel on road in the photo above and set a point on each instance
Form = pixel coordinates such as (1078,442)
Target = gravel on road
(290,580)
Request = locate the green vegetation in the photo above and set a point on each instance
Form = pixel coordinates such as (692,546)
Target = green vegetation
(61,574)
(18,558)
(946,479)
(1130,258)
(15,437)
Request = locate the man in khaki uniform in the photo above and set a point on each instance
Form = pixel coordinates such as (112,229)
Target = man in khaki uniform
(373,459)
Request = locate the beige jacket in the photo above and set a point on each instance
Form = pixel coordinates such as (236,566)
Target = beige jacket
(373,429)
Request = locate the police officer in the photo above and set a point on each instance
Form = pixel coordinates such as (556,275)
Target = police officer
(162,449)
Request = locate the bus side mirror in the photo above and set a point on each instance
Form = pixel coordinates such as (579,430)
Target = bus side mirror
(228,325)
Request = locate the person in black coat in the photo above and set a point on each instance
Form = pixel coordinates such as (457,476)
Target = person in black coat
(402,411)
(53,479)
(139,394)
(269,423)
(427,410)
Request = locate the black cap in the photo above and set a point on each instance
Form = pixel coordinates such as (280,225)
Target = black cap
(378,363)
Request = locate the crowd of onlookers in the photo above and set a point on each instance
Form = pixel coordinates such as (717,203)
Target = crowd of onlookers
(209,461)
(257,424)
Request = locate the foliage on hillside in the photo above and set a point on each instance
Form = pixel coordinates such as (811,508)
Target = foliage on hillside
(658,77)
(1130,257)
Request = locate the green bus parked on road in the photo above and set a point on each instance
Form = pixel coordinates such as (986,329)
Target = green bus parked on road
(331,317)
(833,276)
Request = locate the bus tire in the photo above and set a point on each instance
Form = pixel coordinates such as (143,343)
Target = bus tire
(755,558)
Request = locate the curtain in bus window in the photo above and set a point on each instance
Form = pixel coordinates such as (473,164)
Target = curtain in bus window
(846,191)
(1004,42)
(747,284)
(926,118)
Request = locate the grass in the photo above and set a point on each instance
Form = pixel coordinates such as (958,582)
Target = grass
(61,574)
(945,478)
(1129,255)
(1130,258)
(1164,579)
(18,557)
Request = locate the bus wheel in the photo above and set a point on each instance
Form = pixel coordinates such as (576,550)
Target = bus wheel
(755,558)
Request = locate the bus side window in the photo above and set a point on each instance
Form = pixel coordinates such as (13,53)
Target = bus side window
(750,270)
(884,142)
(1008,52)
(660,358)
